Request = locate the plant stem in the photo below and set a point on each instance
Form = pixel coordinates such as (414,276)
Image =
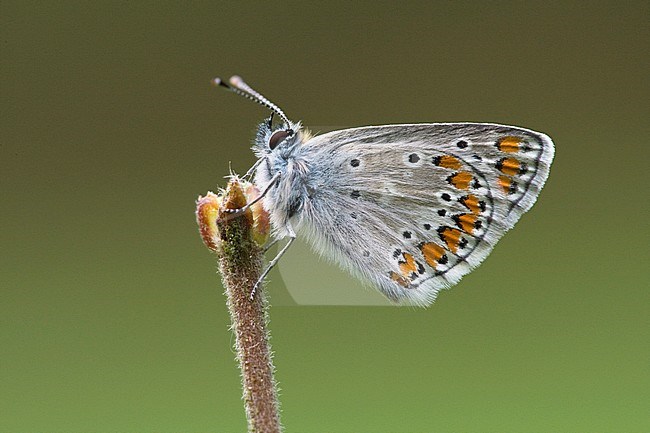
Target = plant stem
(240,263)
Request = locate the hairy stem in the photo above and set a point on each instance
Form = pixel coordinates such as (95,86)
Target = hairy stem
(240,263)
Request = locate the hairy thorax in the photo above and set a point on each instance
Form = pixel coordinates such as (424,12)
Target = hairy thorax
(286,200)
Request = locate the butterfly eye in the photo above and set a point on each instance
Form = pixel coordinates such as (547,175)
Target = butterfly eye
(278,137)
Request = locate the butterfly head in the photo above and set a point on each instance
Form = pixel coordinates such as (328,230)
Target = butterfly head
(277,140)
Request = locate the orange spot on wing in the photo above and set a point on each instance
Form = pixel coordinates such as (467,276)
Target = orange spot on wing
(505,182)
(432,253)
(509,166)
(451,238)
(408,266)
(509,144)
(399,279)
(467,222)
(447,161)
(472,203)
(461,179)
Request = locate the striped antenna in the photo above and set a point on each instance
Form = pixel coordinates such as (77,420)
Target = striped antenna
(238,86)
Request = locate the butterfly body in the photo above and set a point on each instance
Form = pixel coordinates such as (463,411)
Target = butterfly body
(409,209)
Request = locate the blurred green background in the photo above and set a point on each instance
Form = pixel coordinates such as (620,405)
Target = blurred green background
(112,318)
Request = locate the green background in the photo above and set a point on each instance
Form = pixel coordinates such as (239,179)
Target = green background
(112,318)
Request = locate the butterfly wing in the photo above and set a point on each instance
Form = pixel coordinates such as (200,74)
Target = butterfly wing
(413,208)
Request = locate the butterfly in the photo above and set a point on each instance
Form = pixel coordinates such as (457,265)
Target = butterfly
(408,208)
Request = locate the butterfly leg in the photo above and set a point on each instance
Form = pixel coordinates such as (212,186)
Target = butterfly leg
(251,170)
(271,244)
(236,212)
(292,237)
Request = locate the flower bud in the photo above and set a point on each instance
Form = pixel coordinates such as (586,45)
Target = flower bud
(211,207)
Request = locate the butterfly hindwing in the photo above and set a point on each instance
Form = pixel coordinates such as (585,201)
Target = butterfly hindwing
(413,208)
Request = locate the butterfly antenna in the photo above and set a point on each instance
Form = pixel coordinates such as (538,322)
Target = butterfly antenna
(238,86)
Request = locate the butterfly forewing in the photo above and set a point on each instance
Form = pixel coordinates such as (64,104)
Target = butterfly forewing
(418,206)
